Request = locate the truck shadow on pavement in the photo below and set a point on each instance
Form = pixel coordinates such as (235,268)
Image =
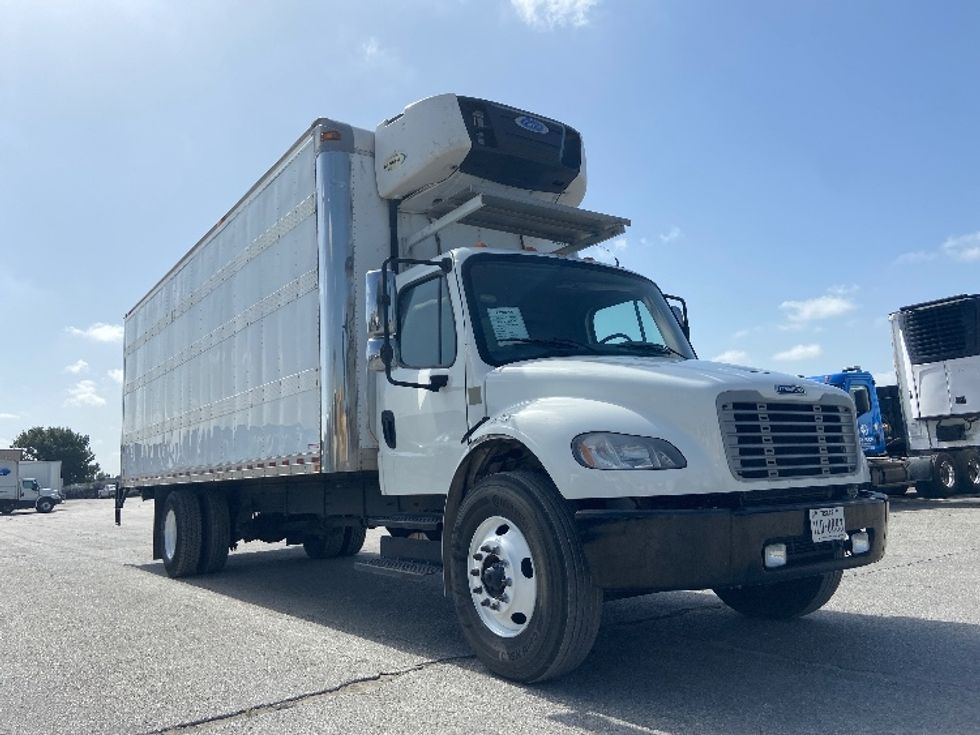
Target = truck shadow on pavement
(673,662)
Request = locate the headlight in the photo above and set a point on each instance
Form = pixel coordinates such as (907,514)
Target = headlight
(603,450)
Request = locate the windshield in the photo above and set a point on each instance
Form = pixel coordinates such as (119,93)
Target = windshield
(525,307)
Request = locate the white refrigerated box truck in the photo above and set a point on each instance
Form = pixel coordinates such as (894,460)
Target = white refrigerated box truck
(392,329)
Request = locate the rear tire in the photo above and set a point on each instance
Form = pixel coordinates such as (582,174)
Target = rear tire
(181,532)
(325,545)
(943,481)
(968,468)
(782,600)
(548,609)
(353,540)
(6,510)
(216,536)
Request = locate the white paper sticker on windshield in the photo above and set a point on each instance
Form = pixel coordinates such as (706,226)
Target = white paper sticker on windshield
(507,323)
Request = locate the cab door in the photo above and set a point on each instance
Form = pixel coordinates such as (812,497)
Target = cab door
(870,429)
(29,490)
(420,429)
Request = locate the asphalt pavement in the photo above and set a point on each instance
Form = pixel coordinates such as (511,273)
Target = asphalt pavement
(94,638)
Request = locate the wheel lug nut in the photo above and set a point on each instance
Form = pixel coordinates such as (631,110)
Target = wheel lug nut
(485,602)
(494,605)
(478,557)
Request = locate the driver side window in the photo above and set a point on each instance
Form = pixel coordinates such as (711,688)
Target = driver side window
(426,328)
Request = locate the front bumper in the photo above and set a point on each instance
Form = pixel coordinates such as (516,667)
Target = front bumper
(721,547)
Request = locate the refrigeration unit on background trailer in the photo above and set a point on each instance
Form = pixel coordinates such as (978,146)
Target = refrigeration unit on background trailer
(925,431)
(392,329)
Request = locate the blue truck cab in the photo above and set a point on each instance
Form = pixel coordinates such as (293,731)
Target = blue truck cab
(861,387)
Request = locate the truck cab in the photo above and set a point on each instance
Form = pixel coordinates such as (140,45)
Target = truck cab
(860,385)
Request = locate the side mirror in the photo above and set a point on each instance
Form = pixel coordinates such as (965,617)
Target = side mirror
(375,353)
(377,312)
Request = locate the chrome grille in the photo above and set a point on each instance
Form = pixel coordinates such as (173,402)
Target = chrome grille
(787,439)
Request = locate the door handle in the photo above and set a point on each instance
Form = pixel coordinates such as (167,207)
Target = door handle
(388,428)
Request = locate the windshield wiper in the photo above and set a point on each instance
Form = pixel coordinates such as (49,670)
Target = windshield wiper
(548,342)
(654,347)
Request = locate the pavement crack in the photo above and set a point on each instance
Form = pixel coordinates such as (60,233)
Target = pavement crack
(351,685)
(666,616)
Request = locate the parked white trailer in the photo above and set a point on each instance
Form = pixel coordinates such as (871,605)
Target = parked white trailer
(19,490)
(391,329)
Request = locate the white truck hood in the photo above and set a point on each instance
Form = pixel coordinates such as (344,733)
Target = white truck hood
(673,399)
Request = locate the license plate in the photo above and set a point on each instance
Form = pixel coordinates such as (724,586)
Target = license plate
(827,524)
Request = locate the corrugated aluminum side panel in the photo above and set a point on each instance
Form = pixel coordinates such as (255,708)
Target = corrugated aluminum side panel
(221,358)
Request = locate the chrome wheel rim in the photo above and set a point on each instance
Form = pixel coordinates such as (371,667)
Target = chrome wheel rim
(947,475)
(170,534)
(502,577)
(973,472)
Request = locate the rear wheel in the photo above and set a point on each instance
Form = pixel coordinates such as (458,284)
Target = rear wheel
(968,464)
(324,545)
(216,536)
(520,582)
(782,600)
(6,509)
(181,533)
(943,481)
(44,505)
(353,540)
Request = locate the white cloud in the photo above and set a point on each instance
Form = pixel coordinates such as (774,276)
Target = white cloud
(672,234)
(885,377)
(79,366)
(799,352)
(916,256)
(738,357)
(116,375)
(99,332)
(965,248)
(548,14)
(9,416)
(371,50)
(84,393)
(821,307)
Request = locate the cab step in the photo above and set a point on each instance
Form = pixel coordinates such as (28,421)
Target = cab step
(404,568)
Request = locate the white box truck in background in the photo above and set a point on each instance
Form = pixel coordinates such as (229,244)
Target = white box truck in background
(27,485)
(391,329)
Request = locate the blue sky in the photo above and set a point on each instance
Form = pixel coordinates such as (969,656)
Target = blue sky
(797,170)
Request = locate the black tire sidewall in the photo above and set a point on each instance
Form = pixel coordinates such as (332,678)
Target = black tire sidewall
(962,463)
(526,656)
(44,506)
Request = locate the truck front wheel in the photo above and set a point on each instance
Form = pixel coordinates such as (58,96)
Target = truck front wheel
(181,533)
(521,585)
(44,505)
(782,600)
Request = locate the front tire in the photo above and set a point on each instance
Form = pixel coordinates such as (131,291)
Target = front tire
(520,582)
(782,600)
(44,505)
(181,533)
